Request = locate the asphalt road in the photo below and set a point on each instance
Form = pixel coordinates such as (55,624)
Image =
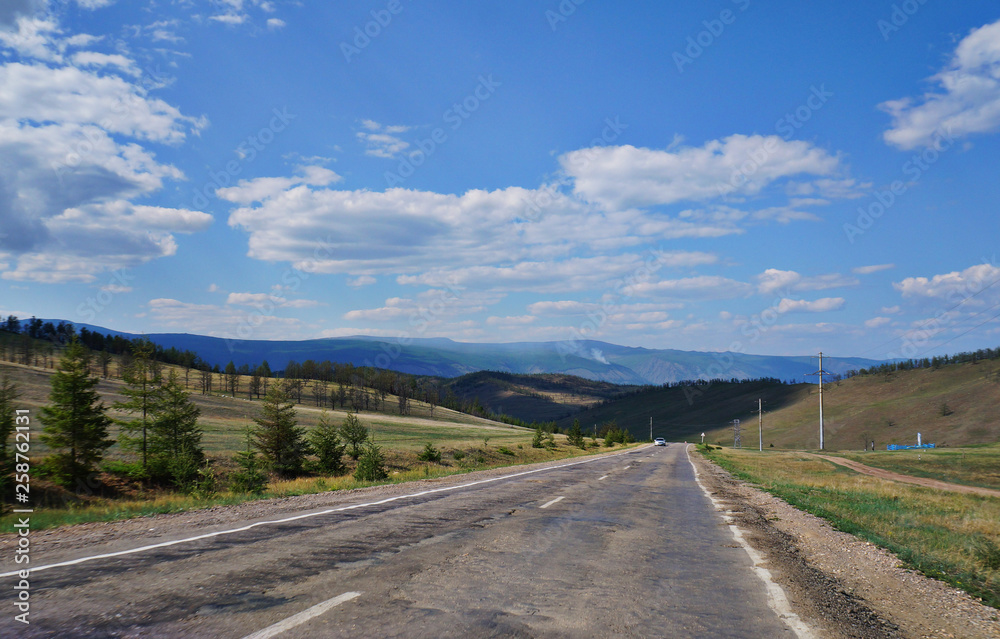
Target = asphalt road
(627,545)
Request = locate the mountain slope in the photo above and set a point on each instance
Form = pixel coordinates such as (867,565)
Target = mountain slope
(446,358)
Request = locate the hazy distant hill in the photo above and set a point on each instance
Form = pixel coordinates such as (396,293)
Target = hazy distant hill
(446,358)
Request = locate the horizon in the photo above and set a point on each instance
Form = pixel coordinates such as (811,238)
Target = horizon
(507,174)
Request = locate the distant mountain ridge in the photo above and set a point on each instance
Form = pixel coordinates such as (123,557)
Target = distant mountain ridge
(442,357)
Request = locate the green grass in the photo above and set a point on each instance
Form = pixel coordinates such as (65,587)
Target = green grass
(978,466)
(403,467)
(949,536)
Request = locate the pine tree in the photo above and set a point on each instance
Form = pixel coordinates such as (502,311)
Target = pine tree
(371,464)
(142,392)
(355,434)
(576,435)
(325,440)
(8,393)
(175,436)
(75,423)
(278,437)
(250,477)
(536,441)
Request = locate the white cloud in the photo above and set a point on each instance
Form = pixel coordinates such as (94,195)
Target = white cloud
(227,322)
(519,320)
(267,301)
(275,23)
(876,322)
(955,286)
(868,270)
(773,280)
(967,100)
(381,141)
(360,281)
(625,176)
(804,306)
(703,287)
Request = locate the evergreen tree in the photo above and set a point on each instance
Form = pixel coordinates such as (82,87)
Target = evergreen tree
(278,437)
(576,435)
(175,436)
(8,424)
(371,464)
(355,434)
(250,477)
(325,440)
(536,441)
(142,392)
(75,424)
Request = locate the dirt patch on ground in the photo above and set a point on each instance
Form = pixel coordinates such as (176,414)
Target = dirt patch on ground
(839,584)
(910,479)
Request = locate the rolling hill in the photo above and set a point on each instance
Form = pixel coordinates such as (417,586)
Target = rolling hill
(442,357)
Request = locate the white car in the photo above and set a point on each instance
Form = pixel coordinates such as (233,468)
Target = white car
(659,441)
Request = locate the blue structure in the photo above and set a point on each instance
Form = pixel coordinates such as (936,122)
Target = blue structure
(901,447)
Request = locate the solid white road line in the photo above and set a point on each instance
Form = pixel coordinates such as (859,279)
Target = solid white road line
(302,617)
(776,598)
(547,504)
(315,514)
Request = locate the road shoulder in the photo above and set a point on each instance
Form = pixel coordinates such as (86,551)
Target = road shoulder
(840,584)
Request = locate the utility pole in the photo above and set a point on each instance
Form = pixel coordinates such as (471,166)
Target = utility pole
(821,372)
(760,423)
(650,429)
(737,437)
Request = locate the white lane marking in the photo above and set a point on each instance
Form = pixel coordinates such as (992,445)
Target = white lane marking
(626,468)
(549,503)
(302,617)
(776,598)
(605,477)
(164,544)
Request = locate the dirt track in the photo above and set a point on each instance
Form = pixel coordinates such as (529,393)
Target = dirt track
(910,479)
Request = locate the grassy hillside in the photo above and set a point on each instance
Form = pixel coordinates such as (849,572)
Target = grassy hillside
(533,398)
(683,412)
(955,405)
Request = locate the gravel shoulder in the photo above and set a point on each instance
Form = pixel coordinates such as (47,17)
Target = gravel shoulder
(841,585)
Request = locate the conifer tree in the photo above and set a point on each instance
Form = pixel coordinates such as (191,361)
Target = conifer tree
(142,393)
(75,423)
(278,437)
(175,435)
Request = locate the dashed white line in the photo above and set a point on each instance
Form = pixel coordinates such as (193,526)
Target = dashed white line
(328,511)
(626,468)
(302,617)
(776,598)
(605,477)
(549,503)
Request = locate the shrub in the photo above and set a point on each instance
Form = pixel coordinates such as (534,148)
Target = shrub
(371,464)
(458,455)
(503,450)
(430,454)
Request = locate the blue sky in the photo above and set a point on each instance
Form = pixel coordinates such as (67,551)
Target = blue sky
(778,178)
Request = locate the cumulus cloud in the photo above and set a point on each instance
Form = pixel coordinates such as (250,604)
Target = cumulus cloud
(626,176)
(74,136)
(382,141)
(966,101)
(955,286)
(702,287)
(218,321)
(876,322)
(773,280)
(804,306)
(875,268)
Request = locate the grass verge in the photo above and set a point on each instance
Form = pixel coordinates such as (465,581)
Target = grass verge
(976,466)
(949,536)
(403,468)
